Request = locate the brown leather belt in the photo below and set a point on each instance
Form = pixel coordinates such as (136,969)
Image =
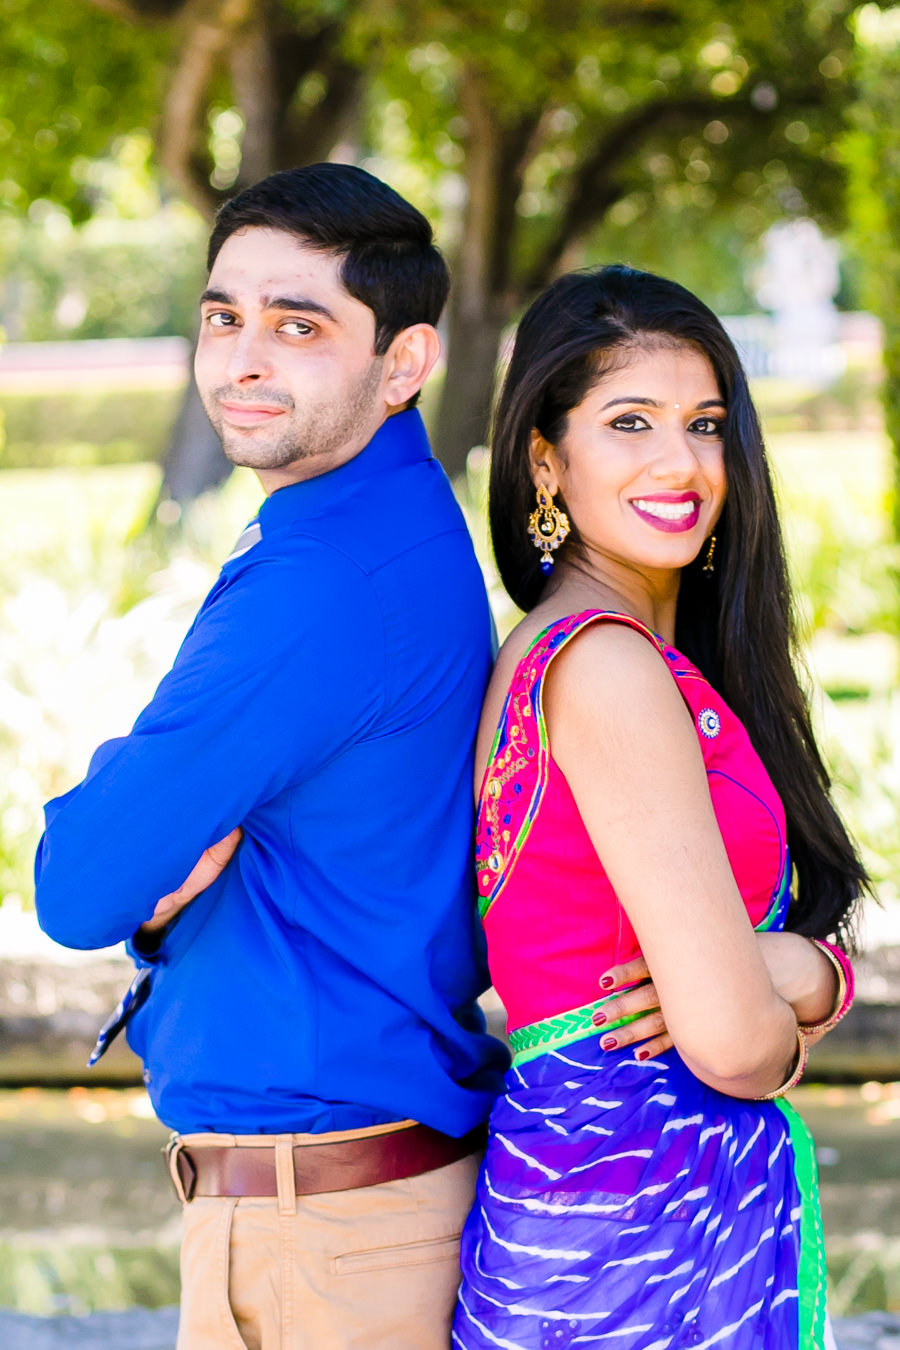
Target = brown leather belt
(318,1168)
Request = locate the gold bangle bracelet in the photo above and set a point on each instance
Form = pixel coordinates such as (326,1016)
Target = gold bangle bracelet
(843,999)
(797,1073)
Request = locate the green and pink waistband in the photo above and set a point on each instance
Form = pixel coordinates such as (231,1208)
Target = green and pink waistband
(554,1032)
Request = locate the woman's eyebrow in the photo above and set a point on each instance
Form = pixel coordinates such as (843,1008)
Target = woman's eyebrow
(654,403)
(631,398)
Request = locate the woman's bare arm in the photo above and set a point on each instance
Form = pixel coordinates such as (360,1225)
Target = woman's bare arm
(623,737)
(800,972)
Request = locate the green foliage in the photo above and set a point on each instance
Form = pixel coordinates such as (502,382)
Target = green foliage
(737,104)
(109,426)
(535,131)
(846,571)
(81,1277)
(92,609)
(74,78)
(661,237)
(871,151)
(691,107)
(107,278)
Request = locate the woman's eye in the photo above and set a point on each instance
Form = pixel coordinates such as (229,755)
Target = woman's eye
(629,422)
(708,426)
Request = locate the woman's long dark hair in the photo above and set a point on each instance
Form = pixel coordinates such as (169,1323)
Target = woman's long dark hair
(736,626)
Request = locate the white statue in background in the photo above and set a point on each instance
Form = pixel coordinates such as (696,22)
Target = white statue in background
(797,282)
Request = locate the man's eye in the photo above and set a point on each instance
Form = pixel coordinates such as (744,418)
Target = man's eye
(220,318)
(296,328)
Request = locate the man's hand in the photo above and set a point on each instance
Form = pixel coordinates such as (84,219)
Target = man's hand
(204,874)
(799,972)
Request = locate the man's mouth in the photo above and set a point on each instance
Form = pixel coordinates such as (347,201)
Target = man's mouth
(249,414)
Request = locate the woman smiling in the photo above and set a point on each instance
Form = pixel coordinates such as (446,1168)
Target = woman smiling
(649,771)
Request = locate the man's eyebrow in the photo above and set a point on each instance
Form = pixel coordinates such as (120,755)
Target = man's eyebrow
(301,302)
(288,303)
(216,297)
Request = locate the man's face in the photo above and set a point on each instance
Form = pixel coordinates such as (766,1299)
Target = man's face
(285,360)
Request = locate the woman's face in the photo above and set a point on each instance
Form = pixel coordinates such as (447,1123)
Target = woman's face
(641,464)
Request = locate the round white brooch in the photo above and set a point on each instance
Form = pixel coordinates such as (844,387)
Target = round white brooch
(710,723)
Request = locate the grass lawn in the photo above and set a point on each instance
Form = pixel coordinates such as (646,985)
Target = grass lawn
(849,470)
(53,509)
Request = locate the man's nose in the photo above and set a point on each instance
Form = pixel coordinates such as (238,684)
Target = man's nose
(247,355)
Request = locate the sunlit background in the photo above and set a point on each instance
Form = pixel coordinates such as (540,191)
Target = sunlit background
(754,157)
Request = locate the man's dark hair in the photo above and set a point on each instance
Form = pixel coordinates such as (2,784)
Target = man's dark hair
(390,261)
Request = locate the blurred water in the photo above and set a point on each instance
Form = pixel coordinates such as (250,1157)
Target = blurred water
(87,1217)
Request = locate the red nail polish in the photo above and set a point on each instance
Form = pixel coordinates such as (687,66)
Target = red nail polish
(607,982)
(608,1042)
(598,1018)
(642,1054)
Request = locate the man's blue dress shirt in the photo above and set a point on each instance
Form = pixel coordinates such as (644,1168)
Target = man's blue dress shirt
(326,699)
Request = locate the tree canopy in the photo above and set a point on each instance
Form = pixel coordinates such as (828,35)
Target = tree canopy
(872,152)
(524,127)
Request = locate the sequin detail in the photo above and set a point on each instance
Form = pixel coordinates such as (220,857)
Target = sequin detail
(709,723)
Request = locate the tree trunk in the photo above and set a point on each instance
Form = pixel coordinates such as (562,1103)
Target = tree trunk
(484,295)
(465,411)
(194,461)
(265,68)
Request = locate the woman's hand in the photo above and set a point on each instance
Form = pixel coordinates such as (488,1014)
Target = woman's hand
(207,870)
(800,973)
(640,1002)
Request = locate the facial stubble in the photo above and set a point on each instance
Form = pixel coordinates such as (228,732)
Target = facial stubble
(318,430)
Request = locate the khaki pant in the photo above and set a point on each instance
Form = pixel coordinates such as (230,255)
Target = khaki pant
(370,1269)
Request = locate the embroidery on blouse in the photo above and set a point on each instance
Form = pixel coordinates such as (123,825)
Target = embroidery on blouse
(518,769)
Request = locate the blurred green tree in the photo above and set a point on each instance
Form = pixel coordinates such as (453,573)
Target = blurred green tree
(73,78)
(524,124)
(567,116)
(872,152)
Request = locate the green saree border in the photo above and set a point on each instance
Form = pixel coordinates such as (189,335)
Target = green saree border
(553,1032)
(811,1268)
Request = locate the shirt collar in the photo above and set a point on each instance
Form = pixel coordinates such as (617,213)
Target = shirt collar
(400,441)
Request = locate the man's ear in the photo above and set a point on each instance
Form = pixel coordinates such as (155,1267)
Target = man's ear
(543,463)
(409,361)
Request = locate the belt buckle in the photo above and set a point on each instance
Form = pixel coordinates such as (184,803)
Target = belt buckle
(182,1172)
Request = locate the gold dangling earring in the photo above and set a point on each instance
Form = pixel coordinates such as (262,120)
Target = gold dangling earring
(709,566)
(547,528)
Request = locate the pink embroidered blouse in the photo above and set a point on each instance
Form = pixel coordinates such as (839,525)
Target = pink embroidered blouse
(552,920)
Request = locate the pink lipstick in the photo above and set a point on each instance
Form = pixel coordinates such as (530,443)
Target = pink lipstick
(671,512)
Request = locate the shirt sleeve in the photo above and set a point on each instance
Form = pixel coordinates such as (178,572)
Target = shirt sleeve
(281,670)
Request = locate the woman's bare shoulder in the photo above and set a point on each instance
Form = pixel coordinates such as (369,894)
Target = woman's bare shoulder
(608,672)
